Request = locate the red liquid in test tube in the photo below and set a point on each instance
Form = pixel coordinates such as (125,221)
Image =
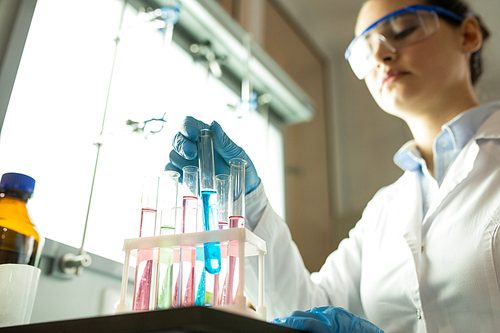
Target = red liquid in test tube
(142,288)
(236,220)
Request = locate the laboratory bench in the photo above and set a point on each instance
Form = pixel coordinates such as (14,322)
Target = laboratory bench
(183,320)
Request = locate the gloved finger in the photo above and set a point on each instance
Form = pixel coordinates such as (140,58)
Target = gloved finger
(225,150)
(221,166)
(190,127)
(177,162)
(171,167)
(342,320)
(184,147)
(329,318)
(184,141)
(224,145)
(305,321)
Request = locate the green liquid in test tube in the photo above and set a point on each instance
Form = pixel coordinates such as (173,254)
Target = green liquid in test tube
(167,218)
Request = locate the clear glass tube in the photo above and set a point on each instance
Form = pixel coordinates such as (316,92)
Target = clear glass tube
(168,191)
(206,159)
(149,200)
(189,199)
(148,227)
(176,285)
(208,194)
(208,198)
(223,189)
(189,221)
(237,207)
(236,220)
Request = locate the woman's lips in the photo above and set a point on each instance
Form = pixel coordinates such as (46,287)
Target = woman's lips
(392,76)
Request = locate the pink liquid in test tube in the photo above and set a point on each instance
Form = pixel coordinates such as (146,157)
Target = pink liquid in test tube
(176,277)
(144,266)
(222,185)
(188,253)
(220,279)
(233,260)
(143,277)
(236,220)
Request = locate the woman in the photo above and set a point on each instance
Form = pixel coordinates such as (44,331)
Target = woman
(425,256)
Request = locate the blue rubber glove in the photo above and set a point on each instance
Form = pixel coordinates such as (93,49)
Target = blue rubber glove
(185,151)
(327,319)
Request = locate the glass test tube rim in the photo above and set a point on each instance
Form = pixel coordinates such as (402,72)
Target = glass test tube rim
(238,161)
(237,206)
(171,174)
(194,171)
(223,181)
(168,175)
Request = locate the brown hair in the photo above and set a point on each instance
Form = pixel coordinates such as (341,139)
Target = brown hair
(463,9)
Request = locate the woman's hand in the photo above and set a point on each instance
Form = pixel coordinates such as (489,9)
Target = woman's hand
(185,151)
(327,319)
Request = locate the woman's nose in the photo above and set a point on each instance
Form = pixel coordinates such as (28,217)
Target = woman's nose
(383,51)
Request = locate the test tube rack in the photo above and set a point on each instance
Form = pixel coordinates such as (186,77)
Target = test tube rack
(248,245)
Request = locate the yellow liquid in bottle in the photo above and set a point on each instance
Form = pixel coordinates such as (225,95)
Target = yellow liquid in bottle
(19,239)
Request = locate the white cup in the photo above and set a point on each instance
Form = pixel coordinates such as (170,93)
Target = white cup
(18,285)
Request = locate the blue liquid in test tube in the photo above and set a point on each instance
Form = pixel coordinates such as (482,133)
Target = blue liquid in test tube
(210,222)
(200,276)
(208,198)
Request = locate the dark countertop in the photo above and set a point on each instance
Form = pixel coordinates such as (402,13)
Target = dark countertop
(184,320)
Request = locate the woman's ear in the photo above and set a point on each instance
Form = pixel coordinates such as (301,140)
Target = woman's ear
(472,38)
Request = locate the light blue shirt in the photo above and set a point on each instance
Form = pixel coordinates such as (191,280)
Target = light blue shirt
(447,145)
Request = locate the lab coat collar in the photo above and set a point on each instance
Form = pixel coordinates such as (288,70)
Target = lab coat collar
(464,163)
(410,213)
(459,130)
(490,128)
(408,157)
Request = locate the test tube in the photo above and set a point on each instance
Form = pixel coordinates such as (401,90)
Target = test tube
(168,190)
(236,220)
(167,218)
(223,189)
(189,221)
(144,267)
(237,208)
(189,198)
(208,198)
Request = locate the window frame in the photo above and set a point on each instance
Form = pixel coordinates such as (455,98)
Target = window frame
(200,21)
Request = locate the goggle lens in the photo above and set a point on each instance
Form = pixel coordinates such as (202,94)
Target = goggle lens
(395,32)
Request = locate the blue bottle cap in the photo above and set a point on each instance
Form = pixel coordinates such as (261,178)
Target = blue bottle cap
(17,181)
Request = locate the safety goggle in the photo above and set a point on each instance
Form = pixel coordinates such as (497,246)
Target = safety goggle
(395,31)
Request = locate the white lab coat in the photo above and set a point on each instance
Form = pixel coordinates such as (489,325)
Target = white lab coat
(385,272)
